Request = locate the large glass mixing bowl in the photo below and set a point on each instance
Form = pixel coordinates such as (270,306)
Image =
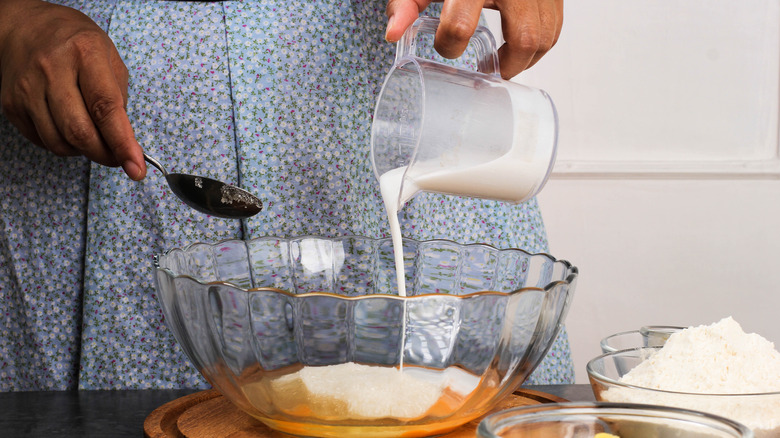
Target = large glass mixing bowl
(309,336)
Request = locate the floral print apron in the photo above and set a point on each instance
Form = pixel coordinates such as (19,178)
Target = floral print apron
(275,97)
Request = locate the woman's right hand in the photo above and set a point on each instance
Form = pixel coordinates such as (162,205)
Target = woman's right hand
(530,27)
(64,85)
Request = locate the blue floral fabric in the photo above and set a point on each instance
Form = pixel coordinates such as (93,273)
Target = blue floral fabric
(275,97)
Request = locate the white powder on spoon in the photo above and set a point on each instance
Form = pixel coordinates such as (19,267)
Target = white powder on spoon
(716,359)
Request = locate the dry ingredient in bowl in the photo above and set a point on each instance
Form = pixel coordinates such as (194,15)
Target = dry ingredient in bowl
(714,359)
(356,391)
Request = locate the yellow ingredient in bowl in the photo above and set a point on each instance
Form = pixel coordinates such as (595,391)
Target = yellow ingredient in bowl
(605,435)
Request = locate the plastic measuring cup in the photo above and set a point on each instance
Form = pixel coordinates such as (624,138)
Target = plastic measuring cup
(457,131)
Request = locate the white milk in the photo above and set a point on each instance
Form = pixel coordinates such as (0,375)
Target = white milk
(501,179)
(390,187)
(513,177)
(505,179)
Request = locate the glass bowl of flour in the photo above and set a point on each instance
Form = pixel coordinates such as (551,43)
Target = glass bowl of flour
(715,368)
(607,420)
(310,336)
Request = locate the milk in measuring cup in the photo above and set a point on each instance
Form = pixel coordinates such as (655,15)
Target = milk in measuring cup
(508,178)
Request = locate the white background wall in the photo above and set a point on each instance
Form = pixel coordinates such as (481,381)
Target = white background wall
(666,192)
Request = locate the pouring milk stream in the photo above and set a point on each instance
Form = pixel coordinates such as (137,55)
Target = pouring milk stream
(442,129)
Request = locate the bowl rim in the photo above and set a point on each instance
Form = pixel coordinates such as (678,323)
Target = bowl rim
(604,342)
(634,352)
(539,412)
(572,270)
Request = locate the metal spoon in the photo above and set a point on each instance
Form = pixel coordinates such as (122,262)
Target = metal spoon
(210,196)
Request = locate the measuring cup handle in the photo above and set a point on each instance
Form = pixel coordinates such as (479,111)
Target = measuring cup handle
(483,41)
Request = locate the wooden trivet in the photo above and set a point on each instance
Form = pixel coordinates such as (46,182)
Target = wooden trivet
(207,414)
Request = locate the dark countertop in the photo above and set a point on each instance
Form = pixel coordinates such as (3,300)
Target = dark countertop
(80,414)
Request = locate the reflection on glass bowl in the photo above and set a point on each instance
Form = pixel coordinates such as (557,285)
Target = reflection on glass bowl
(308,335)
(586,420)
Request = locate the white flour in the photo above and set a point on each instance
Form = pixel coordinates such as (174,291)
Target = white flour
(354,391)
(716,359)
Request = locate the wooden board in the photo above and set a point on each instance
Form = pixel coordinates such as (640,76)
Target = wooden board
(207,414)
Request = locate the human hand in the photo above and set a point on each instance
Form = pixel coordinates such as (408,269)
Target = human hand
(64,85)
(530,27)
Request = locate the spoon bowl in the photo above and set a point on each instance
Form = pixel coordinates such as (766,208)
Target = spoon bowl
(210,196)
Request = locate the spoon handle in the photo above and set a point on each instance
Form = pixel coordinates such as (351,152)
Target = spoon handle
(156,164)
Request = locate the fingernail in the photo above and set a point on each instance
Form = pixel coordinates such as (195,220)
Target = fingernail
(389,26)
(132,170)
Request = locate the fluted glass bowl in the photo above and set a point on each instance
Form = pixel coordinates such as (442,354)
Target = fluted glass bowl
(760,412)
(308,335)
(587,420)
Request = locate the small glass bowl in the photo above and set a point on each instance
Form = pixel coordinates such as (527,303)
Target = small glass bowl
(585,420)
(647,336)
(760,412)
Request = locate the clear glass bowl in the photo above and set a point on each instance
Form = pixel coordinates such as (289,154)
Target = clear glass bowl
(585,420)
(760,412)
(308,335)
(646,336)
